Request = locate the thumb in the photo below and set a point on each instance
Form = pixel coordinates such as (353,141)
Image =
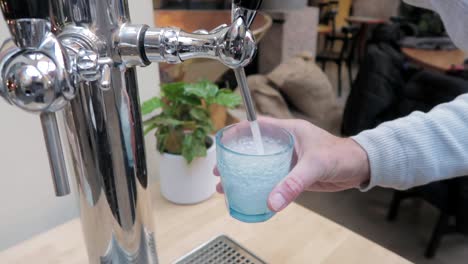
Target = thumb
(292,186)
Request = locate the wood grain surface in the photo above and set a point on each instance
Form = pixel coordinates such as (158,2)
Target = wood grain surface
(440,60)
(296,235)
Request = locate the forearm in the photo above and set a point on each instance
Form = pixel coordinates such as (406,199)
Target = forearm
(420,148)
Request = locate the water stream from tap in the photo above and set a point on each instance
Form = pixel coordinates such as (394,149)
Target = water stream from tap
(250,110)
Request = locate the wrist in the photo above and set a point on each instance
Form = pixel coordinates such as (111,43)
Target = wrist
(354,161)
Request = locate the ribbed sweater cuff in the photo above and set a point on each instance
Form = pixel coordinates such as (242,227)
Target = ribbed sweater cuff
(387,158)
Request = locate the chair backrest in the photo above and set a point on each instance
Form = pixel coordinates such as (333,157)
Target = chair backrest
(349,42)
(344,10)
(328,12)
(335,13)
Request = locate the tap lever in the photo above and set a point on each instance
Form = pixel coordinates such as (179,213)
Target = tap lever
(248,4)
(245,9)
(30,33)
(18,9)
(28,21)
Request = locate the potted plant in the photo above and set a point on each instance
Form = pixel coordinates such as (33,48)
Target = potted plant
(181,120)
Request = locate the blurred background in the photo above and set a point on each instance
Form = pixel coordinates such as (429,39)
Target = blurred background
(345,65)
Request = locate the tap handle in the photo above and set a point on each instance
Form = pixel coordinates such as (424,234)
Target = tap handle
(245,9)
(248,4)
(18,9)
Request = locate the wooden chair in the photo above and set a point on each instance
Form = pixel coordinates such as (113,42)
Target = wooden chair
(445,197)
(327,14)
(345,55)
(342,11)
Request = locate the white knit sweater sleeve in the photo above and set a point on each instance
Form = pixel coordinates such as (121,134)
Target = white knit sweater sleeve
(419,148)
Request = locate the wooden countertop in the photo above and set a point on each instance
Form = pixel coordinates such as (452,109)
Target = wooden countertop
(295,236)
(439,60)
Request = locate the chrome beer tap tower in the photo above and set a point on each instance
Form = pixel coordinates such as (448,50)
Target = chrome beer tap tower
(73,62)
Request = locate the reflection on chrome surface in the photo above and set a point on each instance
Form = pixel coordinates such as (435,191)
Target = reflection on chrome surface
(73,63)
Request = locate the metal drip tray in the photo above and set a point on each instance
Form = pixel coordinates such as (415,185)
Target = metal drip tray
(221,250)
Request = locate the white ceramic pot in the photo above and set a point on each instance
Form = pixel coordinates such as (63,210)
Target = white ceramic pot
(184,183)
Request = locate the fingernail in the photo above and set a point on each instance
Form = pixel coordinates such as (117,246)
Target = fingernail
(277,201)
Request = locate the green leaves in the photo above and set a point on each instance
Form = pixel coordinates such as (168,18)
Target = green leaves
(172,91)
(176,94)
(184,123)
(151,105)
(161,135)
(199,114)
(194,146)
(203,89)
(228,98)
(213,95)
(162,120)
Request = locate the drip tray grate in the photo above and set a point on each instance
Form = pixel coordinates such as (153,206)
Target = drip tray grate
(221,250)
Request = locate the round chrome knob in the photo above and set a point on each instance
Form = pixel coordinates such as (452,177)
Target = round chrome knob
(31,82)
(238,47)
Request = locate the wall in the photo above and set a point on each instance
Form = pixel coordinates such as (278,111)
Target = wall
(376,8)
(293,32)
(28,204)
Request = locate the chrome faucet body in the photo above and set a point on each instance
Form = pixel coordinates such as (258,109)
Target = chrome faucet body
(76,59)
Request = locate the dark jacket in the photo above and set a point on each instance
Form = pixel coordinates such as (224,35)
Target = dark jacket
(387,88)
(375,91)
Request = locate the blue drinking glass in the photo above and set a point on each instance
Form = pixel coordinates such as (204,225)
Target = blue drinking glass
(247,176)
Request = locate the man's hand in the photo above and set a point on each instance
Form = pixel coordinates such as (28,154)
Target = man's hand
(322,163)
